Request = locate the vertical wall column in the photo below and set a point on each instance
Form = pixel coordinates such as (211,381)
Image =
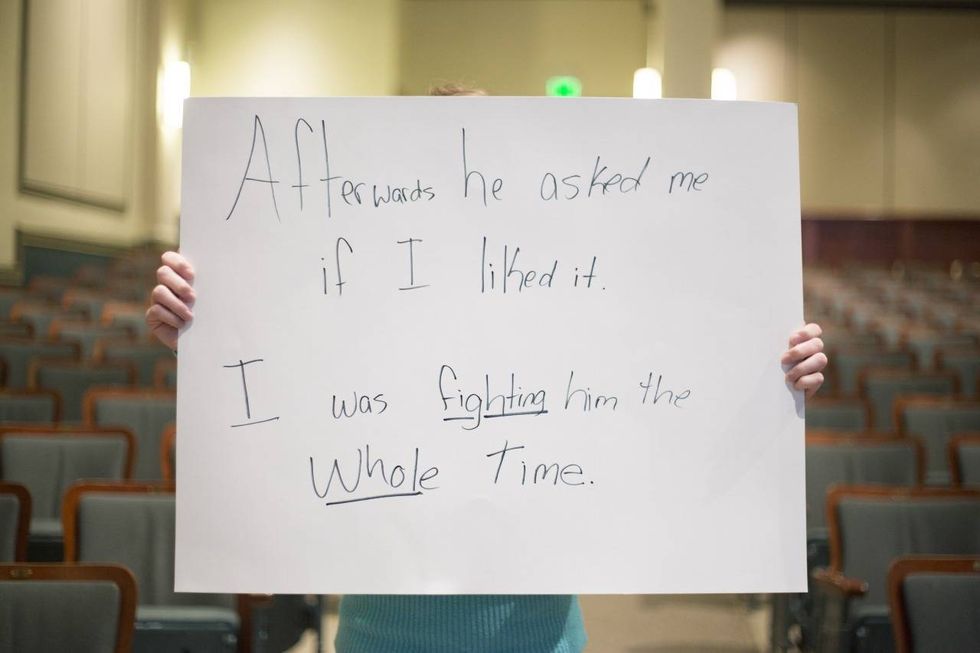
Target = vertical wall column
(10,81)
(681,42)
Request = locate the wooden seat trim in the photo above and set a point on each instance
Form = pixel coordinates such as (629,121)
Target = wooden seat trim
(953,453)
(23,517)
(167,442)
(116,574)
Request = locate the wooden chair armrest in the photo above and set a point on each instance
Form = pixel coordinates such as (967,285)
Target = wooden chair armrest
(835,581)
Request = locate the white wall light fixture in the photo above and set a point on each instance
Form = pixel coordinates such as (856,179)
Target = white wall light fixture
(175,87)
(648,84)
(723,85)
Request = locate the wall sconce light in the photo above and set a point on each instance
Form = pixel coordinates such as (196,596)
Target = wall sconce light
(175,87)
(723,85)
(648,84)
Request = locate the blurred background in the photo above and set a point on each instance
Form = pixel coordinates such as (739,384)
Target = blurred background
(889,117)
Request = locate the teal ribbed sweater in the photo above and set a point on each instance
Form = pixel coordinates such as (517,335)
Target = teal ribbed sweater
(453,624)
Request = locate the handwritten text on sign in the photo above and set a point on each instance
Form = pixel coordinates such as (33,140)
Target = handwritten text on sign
(484,345)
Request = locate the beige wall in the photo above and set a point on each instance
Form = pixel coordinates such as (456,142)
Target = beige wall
(512,48)
(889,102)
(236,47)
(62,218)
(294,47)
(937,113)
(9,76)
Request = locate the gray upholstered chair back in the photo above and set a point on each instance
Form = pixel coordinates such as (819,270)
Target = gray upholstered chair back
(882,388)
(9,520)
(136,530)
(848,363)
(935,422)
(86,334)
(142,355)
(873,530)
(19,353)
(47,463)
(935,603)
(842,415)
(966,365)
(925,346)
(61,608)
(965,458)
(29,407)
(944,612)
(165,374)
(73,380)
(145,414)
(855,461)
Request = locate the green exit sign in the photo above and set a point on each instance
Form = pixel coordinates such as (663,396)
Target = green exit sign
(563,86)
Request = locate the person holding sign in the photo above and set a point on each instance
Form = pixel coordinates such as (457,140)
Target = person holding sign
(453,623)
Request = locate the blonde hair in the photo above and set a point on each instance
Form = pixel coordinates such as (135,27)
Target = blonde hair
(456,88)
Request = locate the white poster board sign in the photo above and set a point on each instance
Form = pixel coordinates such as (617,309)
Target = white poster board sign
(490,345)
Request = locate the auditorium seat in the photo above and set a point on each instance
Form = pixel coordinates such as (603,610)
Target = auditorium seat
(129,314)
(869,526)
(143,355)
(88,299)
(848,363)
(40,315)
(165,374)
(48,460)
(882,387)
(9,297)
(19,352)
(925,344)
(935,420)
(29,407)
(85,334)
(856,461)
(964,460)
(133,525)
(72,379)
(966,364)
(935,603)
(15,519)
(837,414)
(833,460)
(9,329)
(48,288)
(77,608)
(144,412)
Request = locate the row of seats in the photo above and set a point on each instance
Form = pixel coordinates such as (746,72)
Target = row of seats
(934,421)
(88,404)
(892,453)
(26,363)
(92,324)
(145,414)
(133,526)
(871,529)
